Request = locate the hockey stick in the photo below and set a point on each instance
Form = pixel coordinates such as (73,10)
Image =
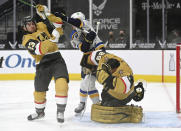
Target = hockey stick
(34,6)
(26,3)
(97,30)
(97,27)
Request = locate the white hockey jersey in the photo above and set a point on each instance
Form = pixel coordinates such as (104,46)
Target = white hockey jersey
(77,33)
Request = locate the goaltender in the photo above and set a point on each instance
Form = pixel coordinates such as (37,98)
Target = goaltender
(117,79)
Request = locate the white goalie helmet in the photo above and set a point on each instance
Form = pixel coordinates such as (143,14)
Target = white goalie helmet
(78,15)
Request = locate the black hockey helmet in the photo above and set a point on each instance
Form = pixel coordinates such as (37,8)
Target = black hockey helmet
(28,19)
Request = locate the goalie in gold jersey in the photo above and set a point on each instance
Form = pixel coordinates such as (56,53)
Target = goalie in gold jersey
(40,42)
(117,79)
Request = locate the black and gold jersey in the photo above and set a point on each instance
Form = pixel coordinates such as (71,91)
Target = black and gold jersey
(122,81)
(41,42)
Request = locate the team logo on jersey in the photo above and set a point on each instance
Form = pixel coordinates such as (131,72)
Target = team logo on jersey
(98,9)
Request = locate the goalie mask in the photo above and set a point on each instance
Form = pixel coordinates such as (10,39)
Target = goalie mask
(78,15)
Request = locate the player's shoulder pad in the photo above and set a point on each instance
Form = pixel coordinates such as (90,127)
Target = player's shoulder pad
(25,39)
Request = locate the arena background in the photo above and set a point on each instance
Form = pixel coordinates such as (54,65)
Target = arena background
(151,35)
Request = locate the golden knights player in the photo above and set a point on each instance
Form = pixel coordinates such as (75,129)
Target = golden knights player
(40,41)
(117,79)
(86,42)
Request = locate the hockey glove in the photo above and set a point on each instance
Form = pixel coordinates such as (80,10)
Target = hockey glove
(42,11)
(90,37)
(139,92)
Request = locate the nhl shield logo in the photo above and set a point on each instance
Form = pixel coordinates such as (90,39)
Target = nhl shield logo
(98,9)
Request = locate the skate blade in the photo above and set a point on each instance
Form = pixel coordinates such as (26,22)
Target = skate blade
(61,124)
(37,119)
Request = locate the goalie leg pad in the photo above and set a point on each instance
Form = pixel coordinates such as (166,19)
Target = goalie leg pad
(122,114)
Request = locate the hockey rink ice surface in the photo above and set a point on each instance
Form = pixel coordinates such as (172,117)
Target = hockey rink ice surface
(16,103)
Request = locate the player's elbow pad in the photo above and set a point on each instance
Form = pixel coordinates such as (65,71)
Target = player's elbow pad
(56,35)
(74,22)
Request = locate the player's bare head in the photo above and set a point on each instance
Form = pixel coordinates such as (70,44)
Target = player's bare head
(29,24)
(78,15)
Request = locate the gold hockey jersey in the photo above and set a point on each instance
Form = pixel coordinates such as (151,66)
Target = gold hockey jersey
(40,42)
(123,87)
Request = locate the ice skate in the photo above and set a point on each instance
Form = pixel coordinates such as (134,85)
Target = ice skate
(60,112)
(37,115)
(60,117)
(80,108)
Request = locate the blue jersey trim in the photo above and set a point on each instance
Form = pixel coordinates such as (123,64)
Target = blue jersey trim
(92,92)
(83,92)
(73,34)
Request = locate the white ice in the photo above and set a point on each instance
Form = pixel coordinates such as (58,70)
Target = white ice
(16,103)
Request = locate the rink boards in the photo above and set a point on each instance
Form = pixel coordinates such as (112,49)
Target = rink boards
(150,65)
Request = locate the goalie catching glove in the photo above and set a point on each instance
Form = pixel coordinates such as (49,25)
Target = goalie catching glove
(139,92)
